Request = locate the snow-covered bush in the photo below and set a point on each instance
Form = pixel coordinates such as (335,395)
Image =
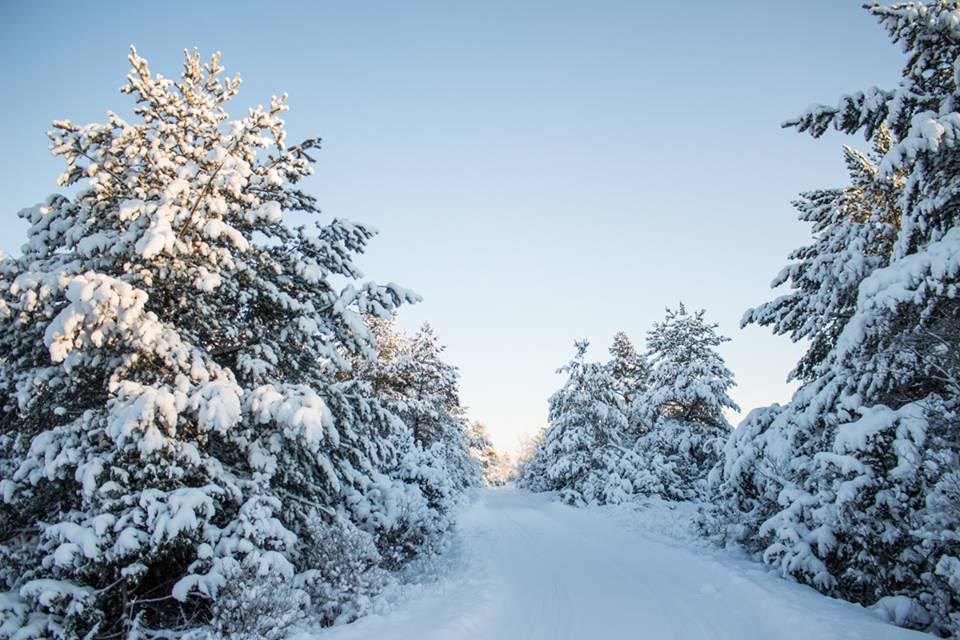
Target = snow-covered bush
(176,403)
(347,571)
(755,465)
(413,505)
(850,487)
(253,605)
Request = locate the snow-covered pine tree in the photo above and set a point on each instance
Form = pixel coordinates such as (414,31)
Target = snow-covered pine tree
(174,418)
(683,403)
(431,392)
(628,367)
(413,380)
(863,506)
(854,229)
(581,454)
(494,465)
(531,472)
(390,342)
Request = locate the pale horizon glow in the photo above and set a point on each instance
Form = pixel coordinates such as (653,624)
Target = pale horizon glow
(539,172)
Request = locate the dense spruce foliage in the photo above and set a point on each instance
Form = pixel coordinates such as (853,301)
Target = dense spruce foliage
(854,485)
(188,434)
(640,424)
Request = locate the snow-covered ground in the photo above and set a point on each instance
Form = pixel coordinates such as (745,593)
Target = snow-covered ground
(526,567)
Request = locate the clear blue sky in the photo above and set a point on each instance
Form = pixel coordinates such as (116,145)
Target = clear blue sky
(539,171)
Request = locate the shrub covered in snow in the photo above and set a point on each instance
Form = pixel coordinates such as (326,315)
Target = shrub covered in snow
(346,571)
(178,420)
(252,605)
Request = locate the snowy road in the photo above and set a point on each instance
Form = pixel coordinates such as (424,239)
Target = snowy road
(540,570)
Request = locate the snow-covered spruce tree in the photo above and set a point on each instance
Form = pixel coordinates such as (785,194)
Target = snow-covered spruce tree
(628,368)
(683,403)
(581,454)
(864,506)
(174,416)
(431,404)
(853,230)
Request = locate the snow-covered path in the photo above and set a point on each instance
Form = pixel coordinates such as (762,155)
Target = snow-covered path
(537,569)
